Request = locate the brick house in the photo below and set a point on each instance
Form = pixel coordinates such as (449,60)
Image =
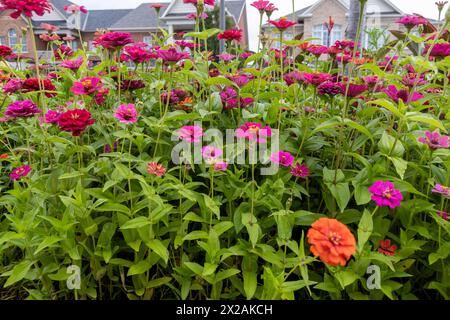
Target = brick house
(380,14)
(141,22)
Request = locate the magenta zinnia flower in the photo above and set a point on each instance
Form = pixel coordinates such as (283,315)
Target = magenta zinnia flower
(20,172)
(211,153)
(172,55)
(315,78)
(190,133)
(354,90)
(438,50)
(157,169)
(87,86)
(443,215)
(114,40)
(260,5)
(385,195)
(411,21)
(22,109)
(220,166)
(403,94)
(443,190)
(51,116)
(330,88)
(194,2)
(254,131)
(126,113)
(434,140)
(300,170)
(26,7)
(283,158)
(282,24)
(12,86)
(72,64)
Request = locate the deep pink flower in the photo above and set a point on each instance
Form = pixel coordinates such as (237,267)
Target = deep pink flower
(240,79)
(283,158)
(413,80)
(300,170)
(22,109)
(317,50)
(354,90)
(75,121)
(194,2)
(20,172)
(136,54)
(190,133)
(113,40)
(72,64)
(315,78)
(186,44)
(443,190)
(12,86)
(226,56)
(172,55)
(49,37)
(385,195)
(345,44)
(157,169)
(211,153)
(270,9)
(386,248)
(230,100)
(100,96)
(282,24)
(193,16)
(5,52)
(293,77)
(403,94)
(344,58)
(26,7)
(260,5)
(330,88)
(230,35)
(254,131)
(51,116)
(49,27)
(87,86)
(434,140)
(411,21)
(438,50)
(443,215)
(220,166)
(126,113)
(62,52)
(245,55)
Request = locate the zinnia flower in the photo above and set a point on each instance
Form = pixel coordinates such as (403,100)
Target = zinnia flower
(26,7)
(315,78)
(5,52)
(330,88)
(87,86)
(443,215)
(32,84)
(230,35)
(220,166)
(385,195)
(411,21)
(282,24)
(126,113)
(332,241)
(438,50)
(72,64)
(22,109)
(73,8)
(354,90)
(157,169)
(75,121)
(300,170)
(51,116)
(20,172)
(434,140)
(443,190)
(283,158)
(260,5)
(136,54)
(194,2)
(403,94)
(386,248)
(317,50)
(190,133)
(12,86)
(254,131)
(210,153)
(114,40)
(172,55)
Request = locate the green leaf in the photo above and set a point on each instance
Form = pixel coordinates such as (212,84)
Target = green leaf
(389,106)
(346,278)
(157,282)
(136,223)
(47,242)
(251,224)
(249,274)
(19,272)
(400,166)
(360,128)
(113,207)
(390,146)
(425,118)
(139,268)
(365,229)
(159,248)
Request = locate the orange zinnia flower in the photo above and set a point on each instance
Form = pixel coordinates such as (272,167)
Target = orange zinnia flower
(332,241)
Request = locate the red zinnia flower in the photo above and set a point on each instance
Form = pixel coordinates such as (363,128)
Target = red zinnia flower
(32,84)
(113,40)
(157,169)
(5,52)
(230,35)
(26,7)
(282,24)
(386,248)
(75,121)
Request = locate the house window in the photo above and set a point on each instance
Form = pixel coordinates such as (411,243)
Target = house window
(147,40)
(74,45)
(12,37)
(3,41)
(320,31)
(24,44)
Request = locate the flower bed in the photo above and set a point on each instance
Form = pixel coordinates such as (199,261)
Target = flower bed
(165,172)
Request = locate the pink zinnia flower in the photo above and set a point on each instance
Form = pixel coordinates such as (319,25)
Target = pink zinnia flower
(403,94)
(300,170)
(282,24)
(20,172)
(114,40)
(230,35)
(157,169)
(5,52)
(75,121)
(220,166)
(411,21)
(438,50)
(190,133)
(73,8)
(260,5)
(354,90)
(126,113)
(226,57)
(12,86)
(211,153)
(283,158)
(386,248)
(230,101)
(172,55)
(329,88)
(434,140)
(26,7)
(443,215)
(315,78)
(254,131)
(385,195)
(136,54)
(22,109)
(443,190)
(72,64)
(317,50)
(49,27)
(87,86)
(193,16)
(194,2)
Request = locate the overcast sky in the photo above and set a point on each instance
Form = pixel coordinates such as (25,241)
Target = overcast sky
(424,7)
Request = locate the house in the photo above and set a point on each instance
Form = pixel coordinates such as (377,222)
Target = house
(141,22)
(380,14)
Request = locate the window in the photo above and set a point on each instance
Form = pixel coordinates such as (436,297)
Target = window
(320,31)
(24,44)
(74,45)
(3,41)
(12,37)
(147,40)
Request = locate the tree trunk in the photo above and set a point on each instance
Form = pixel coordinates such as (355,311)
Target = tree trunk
(355,7)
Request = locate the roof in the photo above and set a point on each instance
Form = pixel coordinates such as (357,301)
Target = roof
(104,19)
(143,17)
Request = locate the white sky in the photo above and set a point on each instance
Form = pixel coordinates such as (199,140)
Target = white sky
(426,8)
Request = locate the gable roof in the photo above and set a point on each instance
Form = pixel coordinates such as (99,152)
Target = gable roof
(143,17)
(104,19)
(382,7)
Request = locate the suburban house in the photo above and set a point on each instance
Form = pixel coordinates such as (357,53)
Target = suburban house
(141,22)
(380,14)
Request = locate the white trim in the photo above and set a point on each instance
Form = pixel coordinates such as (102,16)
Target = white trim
(395,7)
(172,3)
(315,5)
